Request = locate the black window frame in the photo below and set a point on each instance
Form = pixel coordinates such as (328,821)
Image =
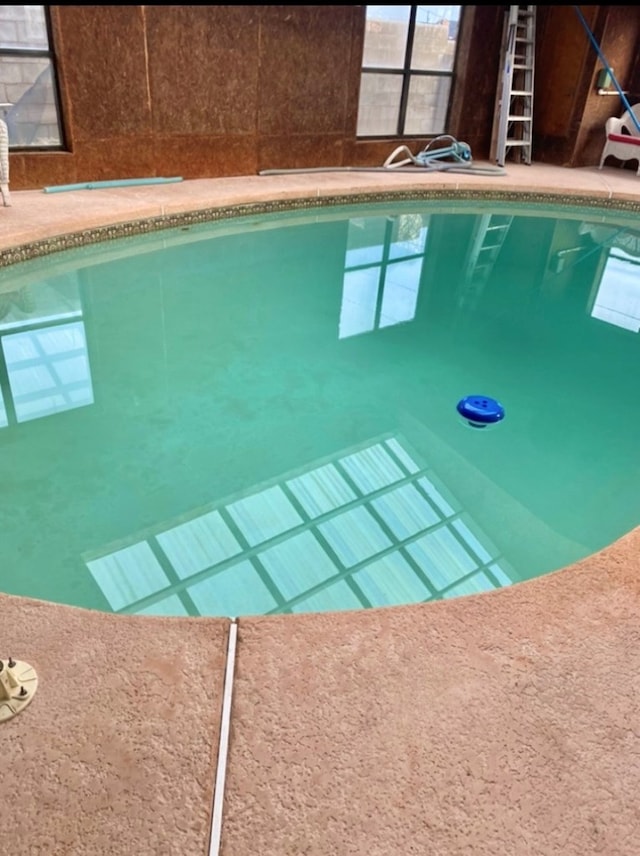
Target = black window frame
(49,54)
(407,74)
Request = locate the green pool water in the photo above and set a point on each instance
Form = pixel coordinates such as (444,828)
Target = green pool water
(259,415)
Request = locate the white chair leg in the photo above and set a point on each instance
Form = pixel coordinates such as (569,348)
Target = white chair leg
(4,164)
(602,157)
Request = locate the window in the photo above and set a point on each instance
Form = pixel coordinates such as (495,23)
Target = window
(407,70)
(28,89)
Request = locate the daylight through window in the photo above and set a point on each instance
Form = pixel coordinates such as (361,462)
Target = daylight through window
(28,93)
(407,70)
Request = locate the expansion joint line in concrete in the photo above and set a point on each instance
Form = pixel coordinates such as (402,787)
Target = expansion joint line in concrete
(223,747)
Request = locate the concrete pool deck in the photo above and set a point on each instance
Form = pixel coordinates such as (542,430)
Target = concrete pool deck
(502,724)
(36,215)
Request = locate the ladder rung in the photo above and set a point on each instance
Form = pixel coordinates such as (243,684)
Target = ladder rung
(517,69)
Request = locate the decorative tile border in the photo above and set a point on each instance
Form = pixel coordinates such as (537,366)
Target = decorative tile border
(127,229)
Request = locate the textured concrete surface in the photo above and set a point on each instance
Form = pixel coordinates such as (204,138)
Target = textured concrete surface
(497,725)
(504,724)
(117,752)
(35,214)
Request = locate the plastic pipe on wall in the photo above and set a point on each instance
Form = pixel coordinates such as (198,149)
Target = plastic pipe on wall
(122,182)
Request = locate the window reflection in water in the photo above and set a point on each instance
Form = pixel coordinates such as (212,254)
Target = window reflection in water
(617,300)
(4,419)
(373,526)
(44,364)
(383,269)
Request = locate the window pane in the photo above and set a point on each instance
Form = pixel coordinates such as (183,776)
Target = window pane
(23,27)
(53,300)
(4,421)
(379,104)
(618,298)
(48,370)
(27,84)
(434,44)
(409,235)
(400,296)
(427,105)
(365,240)
(359,302)
(385,37)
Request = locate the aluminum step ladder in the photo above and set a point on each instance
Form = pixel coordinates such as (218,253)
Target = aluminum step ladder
(513,118)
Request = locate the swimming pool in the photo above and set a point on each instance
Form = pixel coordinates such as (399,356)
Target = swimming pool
(259,415)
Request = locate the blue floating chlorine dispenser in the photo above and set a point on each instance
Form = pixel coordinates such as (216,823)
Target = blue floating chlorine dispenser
(480,411)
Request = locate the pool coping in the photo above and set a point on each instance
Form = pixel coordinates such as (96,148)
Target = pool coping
(38,248)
